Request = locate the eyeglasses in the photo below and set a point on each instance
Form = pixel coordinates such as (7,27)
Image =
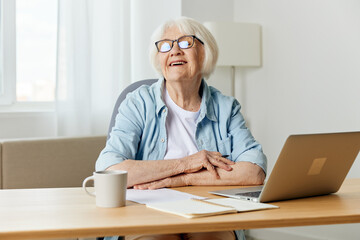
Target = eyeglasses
(183,42)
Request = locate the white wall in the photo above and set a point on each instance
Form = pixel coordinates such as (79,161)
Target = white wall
(309,82)
(202,11)
(146,16)
(208,10)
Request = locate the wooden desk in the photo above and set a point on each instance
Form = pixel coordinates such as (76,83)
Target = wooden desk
(69,212)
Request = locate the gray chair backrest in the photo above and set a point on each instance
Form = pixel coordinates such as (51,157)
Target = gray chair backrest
(122,96)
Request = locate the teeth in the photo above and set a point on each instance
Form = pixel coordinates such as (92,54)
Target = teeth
(177,63)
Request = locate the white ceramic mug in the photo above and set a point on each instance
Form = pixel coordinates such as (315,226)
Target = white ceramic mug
(110,188)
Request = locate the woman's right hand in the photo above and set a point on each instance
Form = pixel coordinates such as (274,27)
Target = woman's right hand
(208,160)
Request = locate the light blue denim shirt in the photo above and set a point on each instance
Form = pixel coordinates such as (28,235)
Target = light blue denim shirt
(140,133)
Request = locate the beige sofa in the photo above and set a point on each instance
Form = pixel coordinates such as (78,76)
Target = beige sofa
(48,163)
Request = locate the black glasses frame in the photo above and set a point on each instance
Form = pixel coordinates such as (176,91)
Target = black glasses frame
(176,40)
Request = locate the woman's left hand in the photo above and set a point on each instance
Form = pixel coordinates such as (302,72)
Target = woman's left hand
(176,181)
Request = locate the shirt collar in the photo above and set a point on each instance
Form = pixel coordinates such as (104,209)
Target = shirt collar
(206,107)
(159,87)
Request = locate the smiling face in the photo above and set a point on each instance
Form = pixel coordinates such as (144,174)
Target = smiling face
(181,64)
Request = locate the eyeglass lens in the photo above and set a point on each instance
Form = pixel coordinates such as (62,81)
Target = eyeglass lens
(183,42)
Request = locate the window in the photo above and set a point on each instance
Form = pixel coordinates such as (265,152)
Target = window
(36,31)
(29,47)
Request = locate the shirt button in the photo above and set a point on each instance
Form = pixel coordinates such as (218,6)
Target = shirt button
(162,140)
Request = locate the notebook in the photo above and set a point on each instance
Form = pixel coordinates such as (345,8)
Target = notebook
(308,165)
(194,208)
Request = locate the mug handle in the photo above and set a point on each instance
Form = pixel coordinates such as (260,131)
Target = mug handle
(91,178)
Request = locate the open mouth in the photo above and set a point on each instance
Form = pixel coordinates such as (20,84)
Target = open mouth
(177,63)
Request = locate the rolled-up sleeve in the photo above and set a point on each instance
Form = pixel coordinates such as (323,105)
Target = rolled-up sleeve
(125,135)
(245,147)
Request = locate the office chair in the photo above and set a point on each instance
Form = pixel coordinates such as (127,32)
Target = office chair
(120,99)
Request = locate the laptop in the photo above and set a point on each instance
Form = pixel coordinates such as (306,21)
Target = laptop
(308,165)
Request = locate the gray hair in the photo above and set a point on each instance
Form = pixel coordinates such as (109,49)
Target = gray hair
(187,26)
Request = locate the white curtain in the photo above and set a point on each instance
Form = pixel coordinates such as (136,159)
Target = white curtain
(93,63)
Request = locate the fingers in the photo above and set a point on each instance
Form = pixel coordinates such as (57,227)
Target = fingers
(141,186)
(175,181)
(150,186)
(227,161)
(210,167)
(166,182)
(222,158)
(220,162)
(207,160)
(157,185)
(214,159)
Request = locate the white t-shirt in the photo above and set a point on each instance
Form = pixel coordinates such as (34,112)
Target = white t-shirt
(180,127)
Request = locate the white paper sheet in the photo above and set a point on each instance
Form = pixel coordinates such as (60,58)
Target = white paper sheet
(158,195)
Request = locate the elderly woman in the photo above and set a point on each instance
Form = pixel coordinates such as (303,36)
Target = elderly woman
(183,120)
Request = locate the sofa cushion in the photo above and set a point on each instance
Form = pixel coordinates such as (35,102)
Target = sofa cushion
(47,163)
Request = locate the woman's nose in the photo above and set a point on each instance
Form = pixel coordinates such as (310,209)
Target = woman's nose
(176,50)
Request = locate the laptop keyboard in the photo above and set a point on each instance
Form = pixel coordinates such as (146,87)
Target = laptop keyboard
(250,194)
